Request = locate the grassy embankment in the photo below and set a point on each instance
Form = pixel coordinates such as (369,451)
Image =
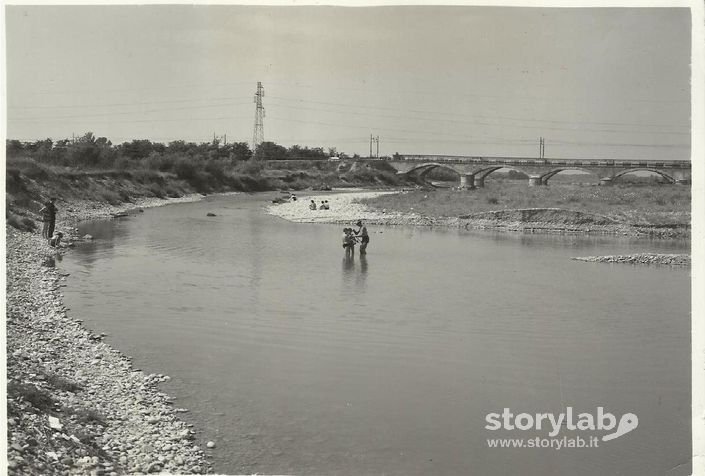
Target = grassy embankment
(650,205)
(29,182)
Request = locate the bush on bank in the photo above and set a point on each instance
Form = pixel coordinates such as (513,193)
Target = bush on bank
(94,169)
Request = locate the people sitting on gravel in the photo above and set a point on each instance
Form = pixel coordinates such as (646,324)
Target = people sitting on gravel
(325,205)
(362,233)
(48,212)
(312,205)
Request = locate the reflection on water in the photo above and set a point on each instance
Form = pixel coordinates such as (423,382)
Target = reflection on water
(297,359)
(355,271)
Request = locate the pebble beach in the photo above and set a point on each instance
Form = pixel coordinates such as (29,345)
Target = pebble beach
(75,404)
(640,258)
(345,208)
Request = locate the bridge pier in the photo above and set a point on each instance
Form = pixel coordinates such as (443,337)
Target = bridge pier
(466,179)
(478,182)
(535,181)
(606,181)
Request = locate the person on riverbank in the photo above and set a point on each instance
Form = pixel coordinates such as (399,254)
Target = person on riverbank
(48,212)
(362,233)
(312,205)
(325,203)
(55,240)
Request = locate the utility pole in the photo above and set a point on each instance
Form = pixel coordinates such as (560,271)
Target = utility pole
(541,147)
(258,134)
(370,145)
(377,140)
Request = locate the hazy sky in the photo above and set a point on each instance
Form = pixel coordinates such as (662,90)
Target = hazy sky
(446,80)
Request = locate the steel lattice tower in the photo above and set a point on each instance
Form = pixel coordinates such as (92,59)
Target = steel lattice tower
(258,135)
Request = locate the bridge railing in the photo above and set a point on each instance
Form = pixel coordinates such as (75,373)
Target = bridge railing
(649,163)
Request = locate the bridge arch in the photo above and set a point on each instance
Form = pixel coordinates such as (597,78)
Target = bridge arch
(656,171)
(428,166)
(483,173)
(548,175)
(480,175)
(424,169)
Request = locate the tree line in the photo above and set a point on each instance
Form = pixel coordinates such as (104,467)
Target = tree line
(89,151)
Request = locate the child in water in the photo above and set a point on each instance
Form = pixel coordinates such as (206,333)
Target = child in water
(348,241)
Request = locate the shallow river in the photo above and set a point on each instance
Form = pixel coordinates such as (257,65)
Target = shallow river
(294,360)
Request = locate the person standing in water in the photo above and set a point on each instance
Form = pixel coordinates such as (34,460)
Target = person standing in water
(348,241)
(365,238)
(48,212)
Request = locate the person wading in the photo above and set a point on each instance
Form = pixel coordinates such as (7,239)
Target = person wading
(348,241)
(365,238)
(48,212)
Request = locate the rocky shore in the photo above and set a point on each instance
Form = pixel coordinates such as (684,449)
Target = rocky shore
(345,208)
(75,405)
(641,258)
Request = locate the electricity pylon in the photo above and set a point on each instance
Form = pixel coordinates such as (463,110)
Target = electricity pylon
(258,135)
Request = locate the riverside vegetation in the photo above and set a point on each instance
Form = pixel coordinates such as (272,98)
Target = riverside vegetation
(93,169)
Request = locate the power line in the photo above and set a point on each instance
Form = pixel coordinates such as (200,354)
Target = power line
(417,132)
(446,113)
(194,107)
(155,88)
(115,113)
(142,103)
(366,107)
(482,123)
(434,93)
(81,119)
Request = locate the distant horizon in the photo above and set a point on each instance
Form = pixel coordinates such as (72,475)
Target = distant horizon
(444,80)
(342,152)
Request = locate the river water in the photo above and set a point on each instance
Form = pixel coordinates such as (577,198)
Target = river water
(295,360)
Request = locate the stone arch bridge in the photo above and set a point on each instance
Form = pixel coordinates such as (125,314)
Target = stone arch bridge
(474,170)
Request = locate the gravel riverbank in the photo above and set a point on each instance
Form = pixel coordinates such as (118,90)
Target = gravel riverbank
(346,208)
(641,258)
(76,405)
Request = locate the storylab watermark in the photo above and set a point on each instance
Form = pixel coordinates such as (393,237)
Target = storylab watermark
(554,424)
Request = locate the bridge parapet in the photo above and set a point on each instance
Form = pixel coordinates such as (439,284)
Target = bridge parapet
(473,169)
(553,162)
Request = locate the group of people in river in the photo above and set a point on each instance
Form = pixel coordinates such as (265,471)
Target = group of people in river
(323,206)
(351,237)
